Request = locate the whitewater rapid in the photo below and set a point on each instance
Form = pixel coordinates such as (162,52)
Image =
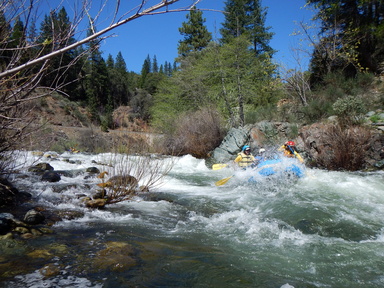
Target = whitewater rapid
(322,230)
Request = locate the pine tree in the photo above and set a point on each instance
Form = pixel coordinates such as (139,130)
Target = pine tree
(18,34)
(166,67)
(96,82)
(196,35)
(155,66)
(145,70)
(247,17)
(110,62)
(56,33)
(228,77)
(174,66)
(5,31)
(119,84)
(120,64)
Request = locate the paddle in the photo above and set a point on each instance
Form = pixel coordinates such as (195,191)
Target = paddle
(219,166)
(223,181)
(297,155)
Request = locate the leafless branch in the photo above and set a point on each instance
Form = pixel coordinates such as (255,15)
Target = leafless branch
(153,10)
(28,60)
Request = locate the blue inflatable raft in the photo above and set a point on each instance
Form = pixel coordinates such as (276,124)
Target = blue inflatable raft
(279,167)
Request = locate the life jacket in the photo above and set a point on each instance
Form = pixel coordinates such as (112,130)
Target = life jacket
(291,153)
(246,160)
(288,153)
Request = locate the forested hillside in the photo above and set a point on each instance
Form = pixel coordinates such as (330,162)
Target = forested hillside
(211,86)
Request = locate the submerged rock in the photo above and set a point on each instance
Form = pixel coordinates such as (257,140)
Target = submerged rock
(9,195)
(34,217)
(41,167)
(51,176)
(95,203)
(117,256)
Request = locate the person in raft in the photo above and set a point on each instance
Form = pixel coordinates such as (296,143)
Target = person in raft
(245,157)
(260,157)
(289,149)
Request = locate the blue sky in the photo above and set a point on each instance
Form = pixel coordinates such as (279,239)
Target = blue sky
(159,35)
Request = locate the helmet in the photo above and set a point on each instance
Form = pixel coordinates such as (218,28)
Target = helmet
(246,147)
(261,150)
(290,143)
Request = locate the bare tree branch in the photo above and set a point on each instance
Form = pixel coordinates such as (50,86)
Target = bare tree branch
(26,60)
(149,11)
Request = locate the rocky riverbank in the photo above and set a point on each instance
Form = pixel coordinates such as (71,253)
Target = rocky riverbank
(319,143)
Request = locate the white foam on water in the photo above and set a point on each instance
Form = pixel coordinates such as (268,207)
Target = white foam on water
(255,221)
(37,280)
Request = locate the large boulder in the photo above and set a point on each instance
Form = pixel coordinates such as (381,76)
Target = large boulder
(9,195)
(50,176)
(33,217)
(309,142)
(262,134)
(316,145)
(231,144)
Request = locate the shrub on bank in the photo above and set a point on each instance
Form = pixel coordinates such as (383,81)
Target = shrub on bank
(343,148)
(196,133)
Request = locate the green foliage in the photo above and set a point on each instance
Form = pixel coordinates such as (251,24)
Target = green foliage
(316,109)
(196,35)
(340,85)
(229,77)
(293,131)
(261,113)
(247,18)
(141,103)
(349,110)
(352,37)
(167,105)
(335,89)
(375,118)
(56,33)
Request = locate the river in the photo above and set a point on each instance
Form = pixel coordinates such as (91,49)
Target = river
(322,230)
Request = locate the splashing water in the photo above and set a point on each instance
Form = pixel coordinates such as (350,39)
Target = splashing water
(322,230)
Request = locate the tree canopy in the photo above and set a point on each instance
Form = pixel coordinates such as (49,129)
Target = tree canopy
(352,33)
(196,35)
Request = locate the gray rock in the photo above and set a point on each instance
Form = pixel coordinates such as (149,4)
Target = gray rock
(51,176)
(41,167)
(33,217)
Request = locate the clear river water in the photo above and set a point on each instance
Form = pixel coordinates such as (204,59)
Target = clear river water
(322,230)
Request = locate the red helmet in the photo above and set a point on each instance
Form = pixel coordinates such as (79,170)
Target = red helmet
(290,143)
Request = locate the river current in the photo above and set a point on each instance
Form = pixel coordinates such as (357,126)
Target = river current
(322,230)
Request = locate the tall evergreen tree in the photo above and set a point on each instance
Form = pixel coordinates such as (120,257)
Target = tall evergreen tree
(166,69)
(96,82)
(110,62)
(5,31)
(229,77)
(155,66)
(196,35)
(18,33)
(120,64)
(56,33)
(119,84)
(145,70)
(247,17)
